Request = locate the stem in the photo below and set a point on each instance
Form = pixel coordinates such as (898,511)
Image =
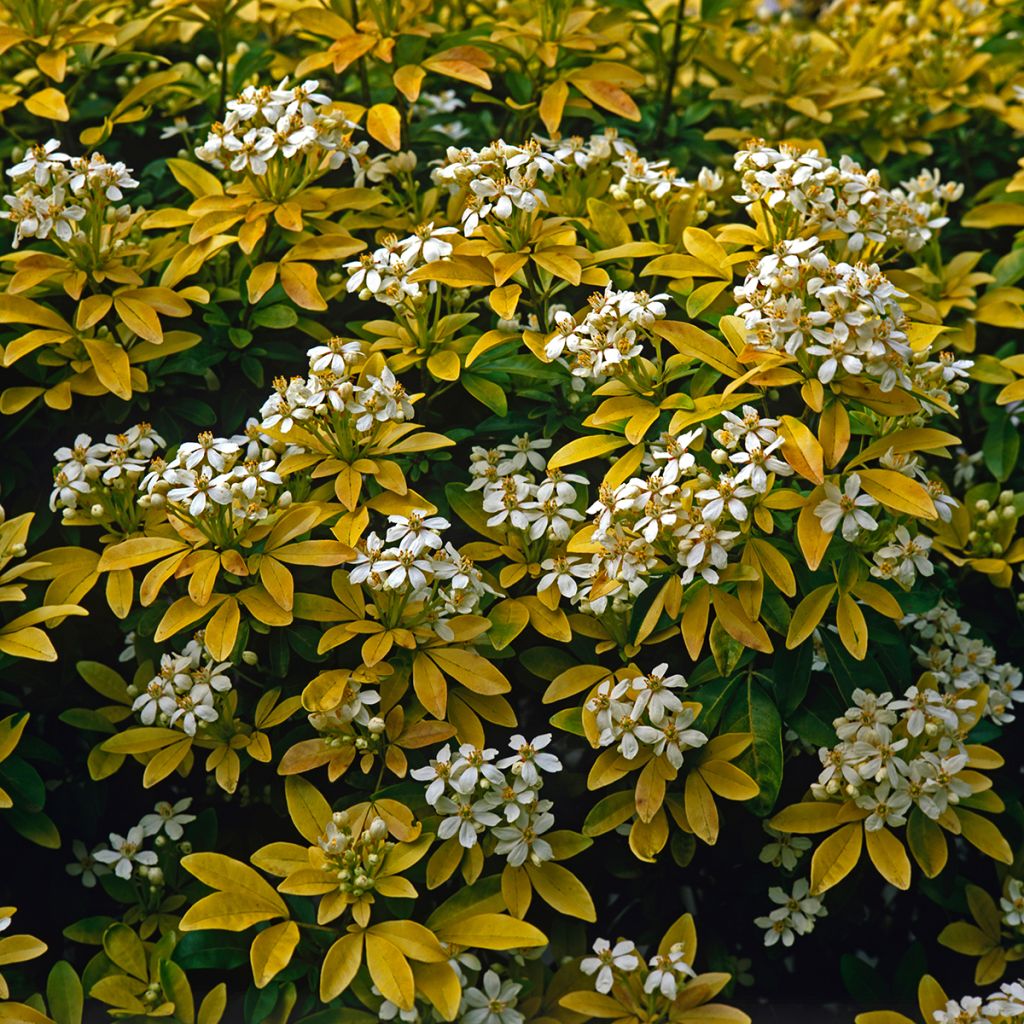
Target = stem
(671,71)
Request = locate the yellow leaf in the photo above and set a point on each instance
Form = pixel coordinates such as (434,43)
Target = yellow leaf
(261,280)
(607,96)
(898,492)
(552,104)
(429,683)
(222,629)
(230,875)
(340,966)
(965,938)
(111,364)
(701,812)
(491,931)
(140,318)
(457,272)
(390,971)
(836,857)
(691,341)
(504,300)
(165,761)
(48,103)
(516,890)
(807,818)
(408,79)
(738,624)
(197,180)
(444,365)
(31,643)
(889,855)
(834,432)
(228,911)
(574,680)
(853,629)
(299,282)
(309,811)
(592,1004)
(440,984)
(272,950)
(560,889)
(801,449)
(981,833)
(384,123)
(728,781)
(813,540)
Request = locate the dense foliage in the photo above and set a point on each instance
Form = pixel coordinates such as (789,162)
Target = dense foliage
(493,488)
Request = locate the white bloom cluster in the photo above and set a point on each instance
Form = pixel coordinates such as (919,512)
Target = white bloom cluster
(263,122)
(656,183)
(213,477)
(476,794)
(99,481)
(844,198)
(609,335)
(664,975)
(645,713)
(512,496)
(353,853)
(184,692)
(353,709)
(414,562)
(683,512)
(576,152)
(958,661)
(125,856)
(330,403)
(384,273)
(839,320)
(795,914)
(896,754)
(54,192)
(1003,1007)
(498,179)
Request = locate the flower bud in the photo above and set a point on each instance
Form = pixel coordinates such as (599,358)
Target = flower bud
(376,726)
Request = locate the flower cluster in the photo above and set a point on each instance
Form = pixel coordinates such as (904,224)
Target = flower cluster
(351,854)
(125,855)
(512,496)
(893,755)
(216,482)
(843,199)
(795,914)
(839,320)
(662,977)
(184,693)
(476,794)
(330,405)
(263,122)
(645,713)
(1003,1007)
(99,482)
(55,193)
(958,661)
(498,179)
(420,569)
(384,273)
(610,334)
(685,512)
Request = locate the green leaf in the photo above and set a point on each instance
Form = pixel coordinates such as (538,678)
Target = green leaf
(1001,448)
(64,995)
(486,392)
(752,710)
(277,317)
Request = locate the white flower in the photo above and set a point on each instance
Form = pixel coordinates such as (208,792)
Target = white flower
(125,852)
(846,508)
(666,972)
(169,818)
(608,959)
(529,759)
(495,1004)
(85,865)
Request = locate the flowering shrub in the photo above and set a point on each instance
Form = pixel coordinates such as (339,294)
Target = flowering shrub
(495,489)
